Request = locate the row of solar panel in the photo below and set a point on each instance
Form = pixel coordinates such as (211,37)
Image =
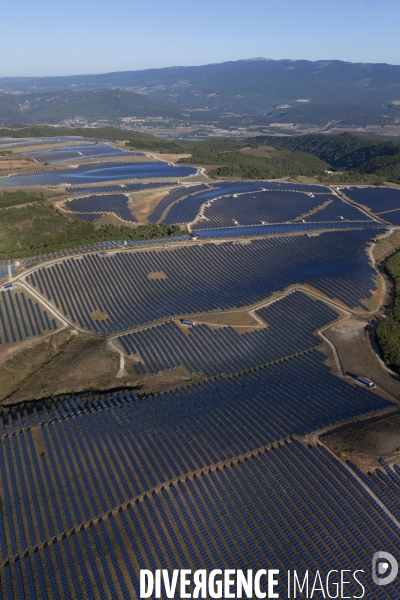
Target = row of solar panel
(206,277)
(79,152)
(34,260)
(235,517)
(277,207)
(257,230)
(186,210)
(122,187)
(6,268)
(291,324)
(173,195)
(21,318)
(106,203)
(109,456)
(384,202)
(93,173)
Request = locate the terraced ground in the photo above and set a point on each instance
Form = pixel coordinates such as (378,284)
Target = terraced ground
(233,472)
(186,480)
(203,278)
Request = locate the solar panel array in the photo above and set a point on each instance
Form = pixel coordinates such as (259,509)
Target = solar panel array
(385,483)
(254,207)
(172,196)
(106,203)
(384,202)
(126,187)
(6,143)
(22,318)
(97,172)
(108,245)
(257,230)
(186,210)
(292,321)
(116,450)
(338,210)
(203,278)
(79,152)
(296,187)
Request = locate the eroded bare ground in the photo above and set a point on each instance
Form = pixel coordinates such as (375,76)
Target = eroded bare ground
(73,363)
(166,381)
(351,337)
(142,204)
(366,443)
(233,318)
(61,364)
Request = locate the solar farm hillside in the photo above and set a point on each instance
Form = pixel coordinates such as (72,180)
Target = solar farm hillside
(190,378)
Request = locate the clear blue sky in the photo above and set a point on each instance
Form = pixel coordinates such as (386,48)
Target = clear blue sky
(52,37)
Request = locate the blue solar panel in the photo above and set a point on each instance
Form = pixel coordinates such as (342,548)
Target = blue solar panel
(122,187)
(256,230)
(101,204)
(22,318)
(384,202)
(230,516)
(186,210)
(79,152)
(291,323)
(6,143)
(206,277)
(93,173)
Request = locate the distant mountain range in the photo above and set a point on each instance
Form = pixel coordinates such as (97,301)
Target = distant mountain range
(264,90)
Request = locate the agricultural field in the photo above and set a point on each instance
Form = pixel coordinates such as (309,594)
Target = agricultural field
(180,390)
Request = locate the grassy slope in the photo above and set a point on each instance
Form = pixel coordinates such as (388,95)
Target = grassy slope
(39,228)
(345,151)
(238,165)
(17,199)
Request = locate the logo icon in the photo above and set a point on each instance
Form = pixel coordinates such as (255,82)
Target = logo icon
(384,568)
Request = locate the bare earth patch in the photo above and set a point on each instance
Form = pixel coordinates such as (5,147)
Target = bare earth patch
(226,318)
(173,158)
(314,211)
(157,275)
(265,151)
(142,204)
(98,315)
(352,342)
(64,365)
(167,381)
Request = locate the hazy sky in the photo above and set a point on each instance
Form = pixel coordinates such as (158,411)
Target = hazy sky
(49,37)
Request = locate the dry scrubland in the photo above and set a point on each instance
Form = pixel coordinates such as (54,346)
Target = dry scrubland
(61,364)
(366,443)
(351,338)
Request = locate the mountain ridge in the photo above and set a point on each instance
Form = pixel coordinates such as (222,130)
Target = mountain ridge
(256,91)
